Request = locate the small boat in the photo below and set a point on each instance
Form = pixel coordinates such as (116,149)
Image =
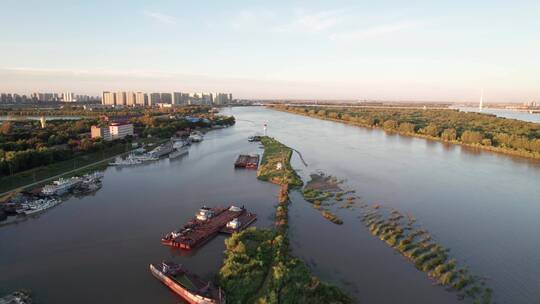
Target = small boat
(187,285)
(195,136)
(254,138)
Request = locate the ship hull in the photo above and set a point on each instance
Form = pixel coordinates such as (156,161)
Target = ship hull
(179,290)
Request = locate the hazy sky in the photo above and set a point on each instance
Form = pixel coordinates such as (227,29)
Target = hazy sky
(407,50)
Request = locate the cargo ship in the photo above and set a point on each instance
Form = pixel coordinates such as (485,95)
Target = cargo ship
(207,223)
(187,285)
(247,161)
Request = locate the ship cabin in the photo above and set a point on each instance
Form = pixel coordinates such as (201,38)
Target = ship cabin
(205,214)
(234,224)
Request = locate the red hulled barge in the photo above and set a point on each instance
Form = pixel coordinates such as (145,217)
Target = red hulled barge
(207,223)
(247,161)
(186,284)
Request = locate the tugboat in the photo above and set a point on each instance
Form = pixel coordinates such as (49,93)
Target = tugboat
(187,285)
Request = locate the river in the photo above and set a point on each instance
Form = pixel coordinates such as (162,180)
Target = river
(513,114)
(484,206)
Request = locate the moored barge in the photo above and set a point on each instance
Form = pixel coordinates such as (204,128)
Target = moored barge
(207,223)
(187,285)
(247,161)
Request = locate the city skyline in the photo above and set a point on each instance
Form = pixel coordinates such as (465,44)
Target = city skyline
(344,50)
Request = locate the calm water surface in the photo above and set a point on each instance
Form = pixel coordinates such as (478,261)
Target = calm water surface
(521,115)
(483,206)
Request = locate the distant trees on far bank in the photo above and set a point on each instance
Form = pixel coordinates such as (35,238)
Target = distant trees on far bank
(477,129)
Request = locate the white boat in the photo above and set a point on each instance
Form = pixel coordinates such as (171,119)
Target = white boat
(196,136)
(145,157)
(126,162)
(179,152)
(37,206)
(61,186)
(42,207)
(93,177)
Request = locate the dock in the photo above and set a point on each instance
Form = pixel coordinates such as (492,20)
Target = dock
(247,161)
(207,224)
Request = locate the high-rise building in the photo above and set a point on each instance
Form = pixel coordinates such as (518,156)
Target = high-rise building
(222,98)
(154,98)
(130,99)
(68,97)
(179,98)
(166,98)
(108,98)
(141,99)
(120,98)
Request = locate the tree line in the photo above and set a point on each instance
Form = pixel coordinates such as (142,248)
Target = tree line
(25,145)
(476,129)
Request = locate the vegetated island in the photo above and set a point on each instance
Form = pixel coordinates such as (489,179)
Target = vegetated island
(417,245)
(258,265)
(478,130)
(323,191)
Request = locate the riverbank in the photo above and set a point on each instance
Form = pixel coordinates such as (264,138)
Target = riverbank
(510,144)
(258,265)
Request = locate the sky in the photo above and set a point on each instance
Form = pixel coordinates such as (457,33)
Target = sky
(355,50)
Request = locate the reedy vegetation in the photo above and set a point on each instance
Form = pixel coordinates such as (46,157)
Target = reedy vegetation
(417,246)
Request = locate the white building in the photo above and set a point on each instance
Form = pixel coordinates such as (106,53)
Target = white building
(120,98)
(141,99)
(108,98)
(68,97)
(100,132)
(131,99)
(120,130)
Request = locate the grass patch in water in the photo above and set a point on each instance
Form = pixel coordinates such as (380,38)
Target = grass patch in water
(331,217)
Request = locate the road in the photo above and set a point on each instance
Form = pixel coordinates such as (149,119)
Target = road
(62,174)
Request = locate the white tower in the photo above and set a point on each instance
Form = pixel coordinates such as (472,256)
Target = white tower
(481,100)
(43,122)
(264,129)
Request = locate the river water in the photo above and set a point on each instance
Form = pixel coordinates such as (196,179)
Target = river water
(513,114)
(483,206)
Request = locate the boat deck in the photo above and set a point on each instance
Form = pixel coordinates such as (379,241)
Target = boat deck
(197,232)
(247,161)
(245,220)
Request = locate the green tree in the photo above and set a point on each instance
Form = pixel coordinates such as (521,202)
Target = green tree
(449,134)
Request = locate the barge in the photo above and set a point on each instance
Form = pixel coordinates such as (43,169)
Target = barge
(187,285)
(207,224)
(247,161)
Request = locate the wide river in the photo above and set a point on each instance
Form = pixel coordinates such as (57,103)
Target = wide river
(484,206)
